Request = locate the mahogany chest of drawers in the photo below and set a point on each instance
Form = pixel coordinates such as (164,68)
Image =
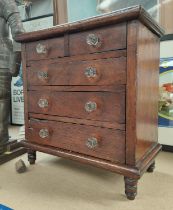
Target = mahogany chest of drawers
(91,92)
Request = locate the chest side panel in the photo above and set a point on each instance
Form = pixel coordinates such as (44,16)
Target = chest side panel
(141,91)
(148,48)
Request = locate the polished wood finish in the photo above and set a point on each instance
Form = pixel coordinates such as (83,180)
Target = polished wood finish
(54,48)
(110,106)
(26,114)
(107,42)
(142,108)
(148,89)
(106,117)
(108,72)
(131,93)
(129,171)
(95,88)
(73,137)
(115,125)
(31,156)
(151,167)
(85,57)
(130,187)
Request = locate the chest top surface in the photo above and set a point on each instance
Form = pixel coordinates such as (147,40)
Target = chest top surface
(119,16)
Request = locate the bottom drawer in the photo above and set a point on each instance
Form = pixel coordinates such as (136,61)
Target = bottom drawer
(104,143)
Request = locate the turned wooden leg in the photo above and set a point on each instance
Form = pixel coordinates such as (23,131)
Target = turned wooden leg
(130,187)
(151,167)
(31,156)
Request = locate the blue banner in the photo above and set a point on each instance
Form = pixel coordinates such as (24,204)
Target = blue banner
(2,207)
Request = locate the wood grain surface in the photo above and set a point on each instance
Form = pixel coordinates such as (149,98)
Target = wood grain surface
(109,71)
(120,133)
(110,106)
(96,123)
(73,137)
(110,38)
(54,48)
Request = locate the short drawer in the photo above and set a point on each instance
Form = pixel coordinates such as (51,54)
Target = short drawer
(98,40)
(108,71)
(101,106)
(45,49)
(104,143)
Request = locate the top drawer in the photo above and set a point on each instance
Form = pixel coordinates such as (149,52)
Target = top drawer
(44,49)
(90,41)
(98,40)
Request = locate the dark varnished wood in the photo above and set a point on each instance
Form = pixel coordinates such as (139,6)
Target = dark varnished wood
(130,187)
(118,126)
(131,93)
(144,163)
(147,96)
(128,171)
(54,47)
(25,78)
(31,156)
(109,71)
(83,88)
(110,106)
(85,159)
(151,167)
(68,45)
(73,137)
(142,91)
(107,42)
(85,57)
(126,93)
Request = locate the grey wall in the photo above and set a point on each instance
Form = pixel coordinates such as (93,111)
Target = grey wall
(81,9)
(39,8)
(42,7)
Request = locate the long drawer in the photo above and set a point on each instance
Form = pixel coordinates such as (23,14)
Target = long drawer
(103,143)
(101,106)
(108,71)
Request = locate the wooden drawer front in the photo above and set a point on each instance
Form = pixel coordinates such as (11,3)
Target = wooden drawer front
(98,40)
(95,72)
(101,106)
(45,49)
(103,143)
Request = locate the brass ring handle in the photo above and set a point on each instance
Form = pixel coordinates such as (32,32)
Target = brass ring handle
(44,133)
(90,72)
(90,106)
(43,103)
(92,40)
(42,75)
(92,142)
(41,49)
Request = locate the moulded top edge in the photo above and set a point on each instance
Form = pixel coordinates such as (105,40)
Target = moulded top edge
(127,14)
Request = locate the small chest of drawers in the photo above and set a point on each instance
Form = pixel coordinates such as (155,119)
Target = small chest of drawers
(91,92)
